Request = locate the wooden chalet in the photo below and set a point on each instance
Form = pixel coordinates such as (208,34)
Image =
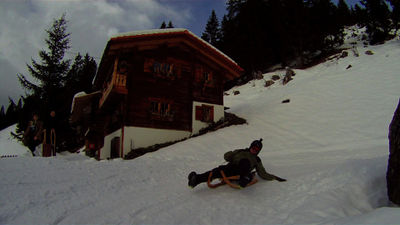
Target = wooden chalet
(155,86)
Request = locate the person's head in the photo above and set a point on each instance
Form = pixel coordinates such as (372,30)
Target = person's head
(256,146)
(35,116)
(53,113)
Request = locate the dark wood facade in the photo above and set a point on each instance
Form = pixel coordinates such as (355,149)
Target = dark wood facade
(151,79)
(164,74)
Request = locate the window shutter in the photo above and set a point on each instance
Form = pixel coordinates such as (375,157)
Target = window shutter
(199,113)
(211,114)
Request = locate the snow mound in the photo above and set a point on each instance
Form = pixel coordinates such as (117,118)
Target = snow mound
(9,147)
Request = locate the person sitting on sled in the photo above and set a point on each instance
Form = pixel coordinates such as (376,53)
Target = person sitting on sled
(240,162)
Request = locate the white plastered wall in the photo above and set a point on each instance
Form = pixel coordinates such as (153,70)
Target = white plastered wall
(198,125)
(139,137)
(105,152)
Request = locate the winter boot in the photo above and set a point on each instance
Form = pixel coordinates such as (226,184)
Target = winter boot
(193,181)
(244,180)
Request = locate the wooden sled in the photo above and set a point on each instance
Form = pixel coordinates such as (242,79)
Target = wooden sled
(49,149)
(228,180)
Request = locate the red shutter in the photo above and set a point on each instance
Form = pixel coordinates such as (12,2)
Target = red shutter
(211,114)
(199,113)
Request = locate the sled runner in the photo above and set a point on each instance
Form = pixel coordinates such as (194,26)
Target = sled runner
(229,181)
(49,149)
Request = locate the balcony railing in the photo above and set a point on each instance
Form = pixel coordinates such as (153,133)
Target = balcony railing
(117,85)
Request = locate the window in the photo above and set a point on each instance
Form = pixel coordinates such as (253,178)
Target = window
(160,108)
(154,107)
(165,70)
(168,68)
(207,77)
(204,76)
(205,113)
(165,109)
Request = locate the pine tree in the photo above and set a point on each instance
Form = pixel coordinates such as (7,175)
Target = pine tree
(2,112)
(395,13)
(2,118)
(212,33)
(163,25)
(296,31)
(261,33)
(224,25)
(359,15)
(378,20)
(11,113)
(51,72)
(344,13)
(56,82)
(326,31)
(81,74)
(234,7)
(170,25)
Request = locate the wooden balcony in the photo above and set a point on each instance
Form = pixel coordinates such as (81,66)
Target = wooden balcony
(116,87)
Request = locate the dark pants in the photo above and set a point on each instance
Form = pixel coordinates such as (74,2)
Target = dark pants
(243,170)
(32,145)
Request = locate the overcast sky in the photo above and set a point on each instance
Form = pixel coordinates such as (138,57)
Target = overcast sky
(91,23)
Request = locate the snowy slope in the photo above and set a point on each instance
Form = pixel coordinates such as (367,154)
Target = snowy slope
(330,142)
(9,147)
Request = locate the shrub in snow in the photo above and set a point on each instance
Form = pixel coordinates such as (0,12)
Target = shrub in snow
(364,37)
(269,83)
(258,75)
(369,52)
(355,51)
(393,170)
(286,79)
(236,92)
(276,77)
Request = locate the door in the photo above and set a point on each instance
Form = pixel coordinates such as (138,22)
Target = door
(115,147)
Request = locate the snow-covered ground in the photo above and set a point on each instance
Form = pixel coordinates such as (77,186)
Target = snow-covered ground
(330,143)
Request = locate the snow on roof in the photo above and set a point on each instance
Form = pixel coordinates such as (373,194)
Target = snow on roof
(77,95)
(168,31)
(80,95)
(147,32)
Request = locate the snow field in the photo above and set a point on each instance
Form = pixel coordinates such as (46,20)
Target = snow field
(330,143)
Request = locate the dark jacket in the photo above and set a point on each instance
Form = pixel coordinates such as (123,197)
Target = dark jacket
(34,129)
(234,157)
(51,123)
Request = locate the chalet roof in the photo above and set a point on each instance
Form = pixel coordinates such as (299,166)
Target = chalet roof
(228,63)
(155,32)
